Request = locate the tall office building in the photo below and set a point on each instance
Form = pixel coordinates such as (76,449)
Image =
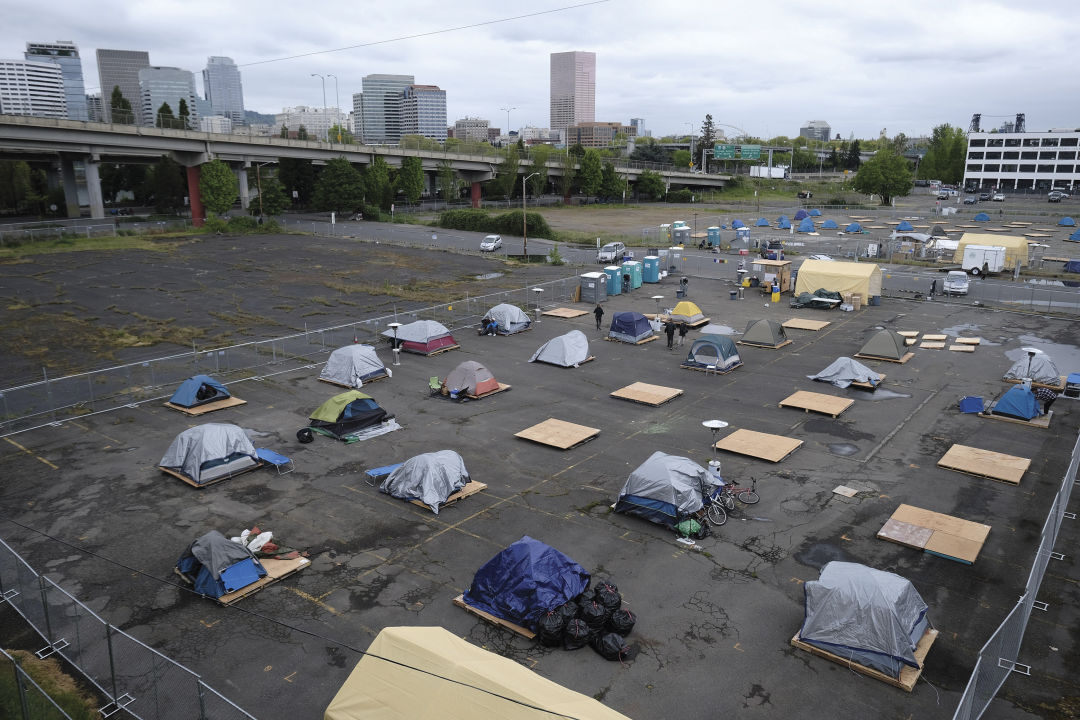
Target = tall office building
(94,109)
(65,54)
(224,91)
(423,112)
(358,117)
(120,68)
(383,95)
(315,121)
(170,85)
(815,130)
(573,89)
(472,128)
(32,88)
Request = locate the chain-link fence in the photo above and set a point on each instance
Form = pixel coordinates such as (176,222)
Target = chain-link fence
(25,699)
(999,657)
(134,679)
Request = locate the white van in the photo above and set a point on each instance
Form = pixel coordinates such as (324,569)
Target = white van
(956,283)
(610,253)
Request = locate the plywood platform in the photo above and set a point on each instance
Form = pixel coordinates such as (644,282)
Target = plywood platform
(801,324)
(935,338)
(489,393)
(654,395)
(639,342)
(818,402)
(484,615)
(563,312)
(968,340)
(868,386)
(985,463)
(558,434)
(908,675)
(962,348)
(707,370)
(208,407)
(1060,387)
(471,488)
(764,446)
(936,533)
(1042,421)
(901,361)
(350,387)
(223,478)
(908,333)
(275,570)
(588,359)
(932,345)
(763,345)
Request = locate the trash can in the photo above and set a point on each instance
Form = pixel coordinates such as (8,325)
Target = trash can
(734,294)
(776,294)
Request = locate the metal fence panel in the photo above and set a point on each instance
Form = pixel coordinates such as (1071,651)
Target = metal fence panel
(32,702)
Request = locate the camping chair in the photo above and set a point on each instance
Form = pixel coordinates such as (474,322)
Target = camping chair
(434,385)
(283,464)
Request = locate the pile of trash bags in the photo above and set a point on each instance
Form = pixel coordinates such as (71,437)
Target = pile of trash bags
(811,300)
(595,618)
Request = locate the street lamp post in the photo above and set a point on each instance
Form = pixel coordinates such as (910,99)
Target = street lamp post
(524,222)
(323,78)
(507,111)
(337,107)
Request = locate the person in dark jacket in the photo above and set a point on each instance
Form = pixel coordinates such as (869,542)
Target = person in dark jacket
(599,313)
(669,330)
(683,329)
(1046,396)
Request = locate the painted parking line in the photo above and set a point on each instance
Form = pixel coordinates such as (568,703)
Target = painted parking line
(32,454)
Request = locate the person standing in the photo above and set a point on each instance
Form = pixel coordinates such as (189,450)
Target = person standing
(683,329)
(933,287)
(669,330)
(1046,396)
(599,313)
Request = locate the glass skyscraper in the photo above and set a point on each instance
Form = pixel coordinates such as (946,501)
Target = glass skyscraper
(382,105)
(423,112)
(224,91)
(120,68)
(32,88)
(167,85)
(573,89)
(65,54)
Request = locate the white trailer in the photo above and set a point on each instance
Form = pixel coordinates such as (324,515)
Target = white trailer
(776,173)
(983,259)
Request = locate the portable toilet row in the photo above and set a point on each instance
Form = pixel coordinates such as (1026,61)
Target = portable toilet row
(594,287)
(614,279)
(650,271)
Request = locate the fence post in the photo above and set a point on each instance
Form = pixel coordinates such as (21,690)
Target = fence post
(22,688)
(48,393)
(45,611)
(112,664)
(202,698)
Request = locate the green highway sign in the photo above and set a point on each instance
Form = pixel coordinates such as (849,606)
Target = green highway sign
(751,152)
(724,152)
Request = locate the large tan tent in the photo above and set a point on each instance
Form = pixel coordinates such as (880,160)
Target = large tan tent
(1016,247)
(842,277)
(381,690)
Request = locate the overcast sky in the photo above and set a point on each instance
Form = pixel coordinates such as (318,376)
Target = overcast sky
(766,67)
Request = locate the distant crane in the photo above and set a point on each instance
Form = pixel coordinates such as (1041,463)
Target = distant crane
(1019,123)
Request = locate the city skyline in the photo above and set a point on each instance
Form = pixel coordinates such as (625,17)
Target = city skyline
(864,67)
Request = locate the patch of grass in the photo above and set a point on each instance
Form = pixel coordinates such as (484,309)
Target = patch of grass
(50,676)
(65,246)
(319,300)
(419,291)
(284,308)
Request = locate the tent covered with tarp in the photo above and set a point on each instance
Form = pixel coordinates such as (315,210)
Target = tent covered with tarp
(347,414)
(736,224)
(870,617)
(764,332)
(905,226)
(569,350)
(821,299)
(353,365)
(423,337)
(843,371)
(212,554)
(717,351)
(829,225)
(814,212)
(630,327)
(1018,402)
(199,390)
(762,222)
(1075,237)
(665,489)
(510,318)
(1016,247)
(981,217)
(1067,222)
(801,214)
(806,226)
(839,277)
(429,673)
(1072,266)
(937,231)
(430,478)
(885,344)
(525,580)
(853,227)
(783,223)
(210,452)
(686,312)
(471,377)
(1036,366)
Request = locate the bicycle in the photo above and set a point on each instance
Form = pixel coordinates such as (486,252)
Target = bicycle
(712,505)
(745,495)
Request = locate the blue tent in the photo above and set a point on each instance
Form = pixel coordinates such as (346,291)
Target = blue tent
(982,217)
(762,222)
(524,581)
(216,566)
(1067,222)
(783,218)
(905,226)
(1073,266)
(1075,237)
(783,223)
(1018,402)
(735,224)
(829,225)
(629,327)
(198,390)
(815,212)
(801,214)
(807,225)
(853,227)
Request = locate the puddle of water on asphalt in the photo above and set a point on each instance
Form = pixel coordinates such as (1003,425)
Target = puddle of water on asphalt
(879,394)
(489,276)
(843,449)
(1066,357)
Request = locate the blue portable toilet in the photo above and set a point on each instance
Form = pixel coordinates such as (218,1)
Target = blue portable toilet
(633,269)
(650,269)
(742,235)
(614,280)
(713,234)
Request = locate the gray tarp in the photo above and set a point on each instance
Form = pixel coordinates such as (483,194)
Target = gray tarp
(429,478)
(672,479)
(349,366)
(420,331)
(567,350)
(1042,370)
(852,606)
(205,443)
(843,371)
(216,552)
(511,318)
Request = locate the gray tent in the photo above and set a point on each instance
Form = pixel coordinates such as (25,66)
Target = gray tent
(868,616)
(664,489)
(216,552)
(764,332)
(569,350)
(938,231)
(472,377)
(210,452)
(885,344)
(1038,366)
(511,319)
(429,478)
(843,371)
(207,561)
(352,365)
(419,331)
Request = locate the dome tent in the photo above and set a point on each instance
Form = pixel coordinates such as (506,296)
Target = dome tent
(1018,402)
(353,365)
(765,333)
(716,351)
(829,225)
(801,214)
(981,217)
(212,554)
(844,371)
(1075,237)
(510,318)
(736,224)
(1067,222)
(430,478)
(630,327)
(208,453)
(783,223)
(762,222)
(806,226)
(569,350)
(853,227)
(905,226)
(664,489)
(814,212)
(199,390)
(884,344)
(347,414)
(686,312)
(423,337)
(1037,366)
(472,377)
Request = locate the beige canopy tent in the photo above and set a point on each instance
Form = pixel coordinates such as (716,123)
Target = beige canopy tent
(381,690)
(1016,247)
(843,277)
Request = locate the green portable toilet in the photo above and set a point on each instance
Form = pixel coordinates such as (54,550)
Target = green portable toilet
(614,279)
(650,270)
(713,236)
(633,269)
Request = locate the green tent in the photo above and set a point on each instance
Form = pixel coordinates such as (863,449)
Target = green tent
(884,344)
(767,333)
(347,413)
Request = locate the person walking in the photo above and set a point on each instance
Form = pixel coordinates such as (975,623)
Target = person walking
(669,330)
(933,288)
(1046,396)
(683,329)
(599,313)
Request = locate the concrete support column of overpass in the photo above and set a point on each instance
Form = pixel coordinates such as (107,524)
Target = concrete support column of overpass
(474,194)
(242,181)
(93,189)
(71,188)
(198,214)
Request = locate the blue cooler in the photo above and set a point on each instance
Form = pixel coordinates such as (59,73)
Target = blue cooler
(614,280)
(650,270)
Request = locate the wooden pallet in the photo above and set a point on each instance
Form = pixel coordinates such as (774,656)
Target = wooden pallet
(441,350)
(484,615)
(707,370)
(868,386)
(932,345)
(275,570)
(350,387)
(968,341)
(763,446)
(1060,387)
(936,533)
(962,348)
(654,395)
(763,345)
(801,324)
(935,338)
(588,359)
(558,434)
(1042,421)
(908,333)
(563,312)
(208,407)
(489,393)
(471,488)
(639,342)
(908,675)
(901,361)
(817,402)
(223,478)
(985,463)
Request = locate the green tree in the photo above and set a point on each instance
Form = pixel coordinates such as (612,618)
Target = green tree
(285,132)
(217,186)
(120,108)
(538,168)
(339,134)
(184,114)
(852,159)
(577,150)
(592,173)
(164,117)
(681,159)
(505,181)
(340,187)
(650,184)
(708,136)
(272,198)
(377,187)
(566,182)
(448,182)
(804,160)
(648,150)
(411,179)
(301,133)
(167,185)
(298,176)
(834,159)
(612,186)
(886,174)
(944,159)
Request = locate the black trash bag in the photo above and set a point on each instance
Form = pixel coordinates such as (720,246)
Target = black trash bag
(569,610)
(575,635)
(610,646)
(607,594)
(622,622)
(595,616)
(550,627)
(305,435)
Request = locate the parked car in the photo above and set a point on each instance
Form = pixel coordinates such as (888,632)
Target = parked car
(956,283)
(970,200)
(943,195)
(1062,191)
(984,196)
(1055,197)
(491,243)
(805,194)
(998,197)
(610,252)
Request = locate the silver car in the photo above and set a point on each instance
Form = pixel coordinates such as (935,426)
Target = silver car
(491,243)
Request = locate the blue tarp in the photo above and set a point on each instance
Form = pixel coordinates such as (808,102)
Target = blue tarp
(1075,237)
(904,226)
(1073,266)
(735,224)
(1067,222)
(799,215)
(762,222)
(198,390)
(524,581)
(807,225)
(982,217)
(630,326)
(829,225)
(1018,402)
(814,212)
(853,227)
(971,404)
